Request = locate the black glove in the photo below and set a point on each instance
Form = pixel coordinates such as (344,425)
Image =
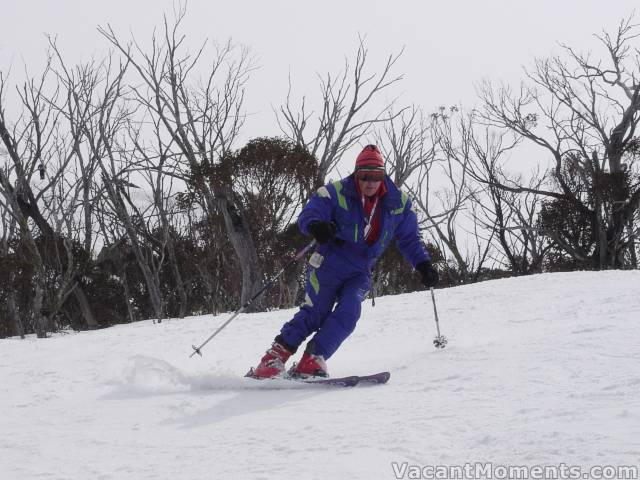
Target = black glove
(323,231)
(429,274)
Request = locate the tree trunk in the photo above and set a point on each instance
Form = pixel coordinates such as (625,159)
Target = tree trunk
(127,295)
(173,261)
(632,244)
(618,220)
(40,319)
(154,292)
(85,307)
(240,237)
(155,296)
(12,309)
(182,293)
(288,287)
(38,279)
(293,286)
(599,227)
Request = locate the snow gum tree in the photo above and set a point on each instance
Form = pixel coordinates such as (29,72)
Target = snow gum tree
(583,109)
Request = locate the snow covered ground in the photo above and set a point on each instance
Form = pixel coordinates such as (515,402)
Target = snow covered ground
(540,370)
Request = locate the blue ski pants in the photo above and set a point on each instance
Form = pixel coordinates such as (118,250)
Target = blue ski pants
(334,294)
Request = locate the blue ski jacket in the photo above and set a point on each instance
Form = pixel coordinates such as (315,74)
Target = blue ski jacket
(339,202)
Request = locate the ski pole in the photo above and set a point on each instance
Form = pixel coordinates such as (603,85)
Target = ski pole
(297,257)
(440,341)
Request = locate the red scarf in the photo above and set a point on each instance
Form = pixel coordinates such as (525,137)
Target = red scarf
(371,210)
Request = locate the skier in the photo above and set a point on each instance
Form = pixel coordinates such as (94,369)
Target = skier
(353,221)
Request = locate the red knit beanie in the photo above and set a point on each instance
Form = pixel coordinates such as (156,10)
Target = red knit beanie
(370,158)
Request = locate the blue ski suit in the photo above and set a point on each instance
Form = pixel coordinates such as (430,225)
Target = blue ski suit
(335,290)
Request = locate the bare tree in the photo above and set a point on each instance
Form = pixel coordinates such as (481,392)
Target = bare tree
(37,146)
(441,210)
(584,112)
(509,217)
(160,176)
(406,142)
(529,241)
(96,112)
(343,119)
(115,166)
(9,295)
(200,120)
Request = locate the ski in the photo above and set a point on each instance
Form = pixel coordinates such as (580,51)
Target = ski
(349,381)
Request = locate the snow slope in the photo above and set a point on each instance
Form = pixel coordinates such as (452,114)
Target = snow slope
(538,370)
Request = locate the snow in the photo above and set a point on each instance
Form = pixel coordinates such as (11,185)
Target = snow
(539,370)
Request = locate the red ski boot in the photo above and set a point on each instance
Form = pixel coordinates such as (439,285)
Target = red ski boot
(310,366)
(272,364)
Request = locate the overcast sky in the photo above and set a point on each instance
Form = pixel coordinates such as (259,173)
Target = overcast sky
(449,45)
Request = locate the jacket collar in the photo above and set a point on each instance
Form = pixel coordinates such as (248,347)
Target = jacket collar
(392,199)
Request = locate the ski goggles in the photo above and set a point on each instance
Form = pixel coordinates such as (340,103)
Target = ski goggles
(370,175)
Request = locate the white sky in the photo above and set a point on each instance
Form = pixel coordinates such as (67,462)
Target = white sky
(450,45)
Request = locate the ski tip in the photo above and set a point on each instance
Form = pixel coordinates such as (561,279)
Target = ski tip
(379,378)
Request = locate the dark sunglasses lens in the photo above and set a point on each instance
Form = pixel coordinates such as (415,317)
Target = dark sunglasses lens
(370,176)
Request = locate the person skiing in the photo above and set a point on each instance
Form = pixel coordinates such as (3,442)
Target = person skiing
(353,221)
